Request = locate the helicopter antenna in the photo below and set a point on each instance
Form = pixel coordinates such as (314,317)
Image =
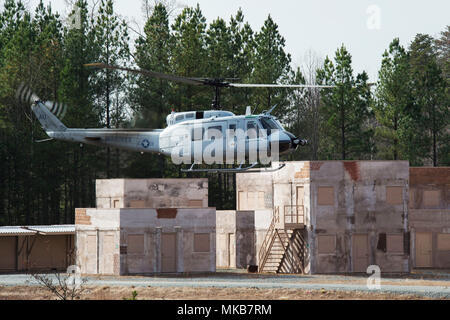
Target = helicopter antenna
(271,109)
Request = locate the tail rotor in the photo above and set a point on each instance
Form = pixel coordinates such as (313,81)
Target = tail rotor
(25,95)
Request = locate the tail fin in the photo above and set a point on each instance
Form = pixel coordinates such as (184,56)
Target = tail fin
(48,121)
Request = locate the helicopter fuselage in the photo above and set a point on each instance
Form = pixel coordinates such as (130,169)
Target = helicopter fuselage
(190,137)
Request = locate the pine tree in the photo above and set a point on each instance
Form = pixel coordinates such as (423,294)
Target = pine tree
(77,91)
(151,98)
(240,67)
(429,109)
(345,110)
(111,38)
(392,99)
(443,57)
(271,65)
(153,51)
(189,59)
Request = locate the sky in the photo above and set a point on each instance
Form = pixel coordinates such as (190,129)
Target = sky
(365,27)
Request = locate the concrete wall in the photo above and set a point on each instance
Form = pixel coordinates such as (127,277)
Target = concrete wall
(226,239)
(235,239)
(254,191)
(245,239)
(152,193)
(430,217)
(97,240)
(263,219)
(130,241)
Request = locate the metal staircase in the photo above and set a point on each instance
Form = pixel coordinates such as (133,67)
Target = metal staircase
(283,249)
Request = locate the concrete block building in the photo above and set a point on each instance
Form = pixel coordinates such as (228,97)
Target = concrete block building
(330,216)
(147,226)
(145,241)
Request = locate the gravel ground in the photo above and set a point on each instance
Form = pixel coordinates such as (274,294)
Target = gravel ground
(425,284)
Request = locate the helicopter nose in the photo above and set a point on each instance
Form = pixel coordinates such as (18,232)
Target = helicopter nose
(299,142)
(296,141)
(283,140)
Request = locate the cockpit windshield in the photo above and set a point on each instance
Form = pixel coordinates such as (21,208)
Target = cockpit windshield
(269,124)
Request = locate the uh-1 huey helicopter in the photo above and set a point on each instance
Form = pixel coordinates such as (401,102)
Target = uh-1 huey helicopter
(227,137)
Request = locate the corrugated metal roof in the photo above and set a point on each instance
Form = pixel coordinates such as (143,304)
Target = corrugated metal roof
(30,230)
(15,231)
(63,228)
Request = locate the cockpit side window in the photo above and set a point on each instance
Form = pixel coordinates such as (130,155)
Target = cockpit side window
(269,124)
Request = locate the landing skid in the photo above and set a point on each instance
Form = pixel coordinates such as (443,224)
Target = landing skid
(234,170)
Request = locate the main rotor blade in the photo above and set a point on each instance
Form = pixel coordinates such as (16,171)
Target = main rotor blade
(148,73)
(251,85)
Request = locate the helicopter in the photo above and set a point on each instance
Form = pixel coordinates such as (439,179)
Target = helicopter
(193,137)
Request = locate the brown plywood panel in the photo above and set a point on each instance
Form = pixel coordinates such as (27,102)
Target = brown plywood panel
(395,243)
(49,252)
(360,253)
(431,198)
(201,242)
(7,253)
(326,244)
(166,213)
(325,196)
(242,200)
(195,203)
(168,252)
(443,242)
(424,249)
(135,244)
(394,195)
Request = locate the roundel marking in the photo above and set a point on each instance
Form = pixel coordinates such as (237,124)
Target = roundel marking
(145,143)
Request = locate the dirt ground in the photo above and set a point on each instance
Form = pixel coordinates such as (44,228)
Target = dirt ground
(186,293)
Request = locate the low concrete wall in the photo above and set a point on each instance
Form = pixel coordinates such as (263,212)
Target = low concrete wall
(226,239)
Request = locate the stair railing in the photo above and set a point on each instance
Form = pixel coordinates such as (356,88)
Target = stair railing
(295,251)
(268,240)
(294,214)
